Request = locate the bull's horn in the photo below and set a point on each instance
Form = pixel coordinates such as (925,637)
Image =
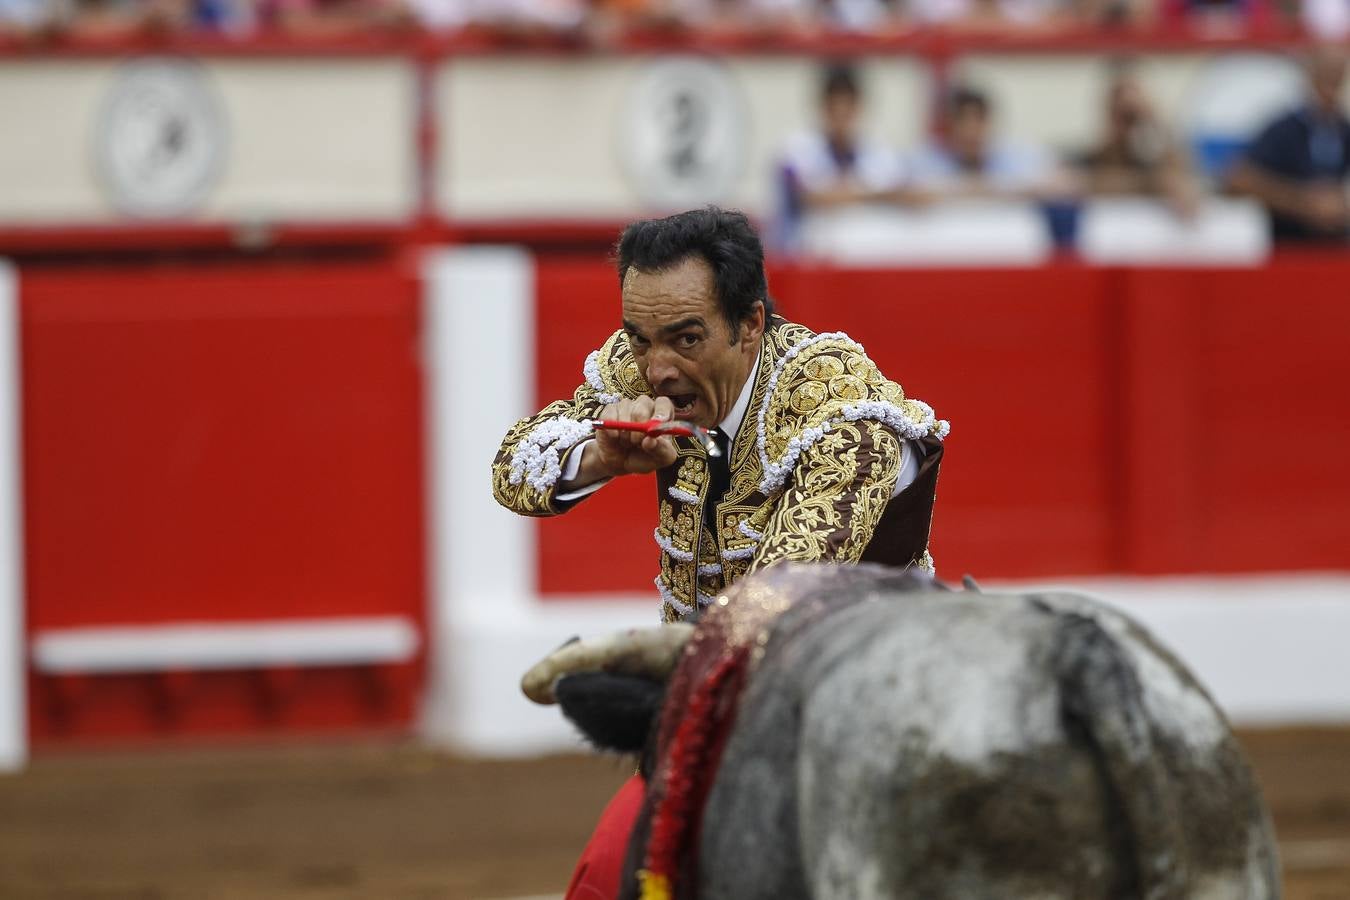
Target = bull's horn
(647,652)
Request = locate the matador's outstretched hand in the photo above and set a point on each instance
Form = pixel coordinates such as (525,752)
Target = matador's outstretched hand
(632,452)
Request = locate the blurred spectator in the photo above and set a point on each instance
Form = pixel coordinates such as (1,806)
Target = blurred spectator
(836,165)
(20,18)
(1220,18)
(233,16)
(1300,164)
(969,161)
(333,18)
(1136,154)
(105,18)
(440,15)
(113,18)
(526,17)
(991,15)
(1327,20)
(1114,13)
(867,16)
(713,15)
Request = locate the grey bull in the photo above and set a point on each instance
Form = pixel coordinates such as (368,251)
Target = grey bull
(898,740)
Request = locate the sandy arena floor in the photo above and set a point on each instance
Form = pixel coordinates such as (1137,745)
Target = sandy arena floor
(379,820)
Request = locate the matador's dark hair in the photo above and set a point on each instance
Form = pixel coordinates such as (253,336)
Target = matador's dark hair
(725,240)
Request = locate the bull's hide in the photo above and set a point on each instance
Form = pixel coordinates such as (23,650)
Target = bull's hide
(897,740)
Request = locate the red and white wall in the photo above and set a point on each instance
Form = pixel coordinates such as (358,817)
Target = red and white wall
(13,643)
(244,447)
(1166,439)
(255,499)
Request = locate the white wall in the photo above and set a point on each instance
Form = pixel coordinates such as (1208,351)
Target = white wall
(13,678)
(524,136)
(305,139)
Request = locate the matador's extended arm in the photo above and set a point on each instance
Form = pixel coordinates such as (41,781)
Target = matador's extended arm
(526,470)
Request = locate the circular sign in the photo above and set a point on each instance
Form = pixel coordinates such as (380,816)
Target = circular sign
(160,138)
(683,134)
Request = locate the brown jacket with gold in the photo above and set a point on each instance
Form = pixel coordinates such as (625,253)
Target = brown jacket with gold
(813,466)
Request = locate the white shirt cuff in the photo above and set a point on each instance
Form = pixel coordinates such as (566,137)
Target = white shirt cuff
(571,467)
(910,454)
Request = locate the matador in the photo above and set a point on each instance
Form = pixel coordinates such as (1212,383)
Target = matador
(823,458)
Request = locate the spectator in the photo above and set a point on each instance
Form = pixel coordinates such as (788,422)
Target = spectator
(866,16)
(333,18)
(1299,165)
(1220,18)
(996,16)
(969,161)
(24,18)
(835,165)
(1136,154)
(105,18)
(1327,20)
(227,16)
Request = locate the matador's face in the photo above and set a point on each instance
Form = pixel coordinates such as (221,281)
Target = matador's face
(683,345)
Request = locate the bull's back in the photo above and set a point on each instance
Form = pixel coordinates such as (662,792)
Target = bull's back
(937,745)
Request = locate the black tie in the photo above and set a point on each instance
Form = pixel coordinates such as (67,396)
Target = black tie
(719,479)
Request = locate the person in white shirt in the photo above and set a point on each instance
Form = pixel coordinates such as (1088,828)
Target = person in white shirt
(837,165)
(971,160)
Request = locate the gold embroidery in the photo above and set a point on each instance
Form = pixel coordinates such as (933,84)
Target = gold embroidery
(807,396)
(832,508)
(692,473)
(822,368)
(848,387)
(619,370)
(860,366)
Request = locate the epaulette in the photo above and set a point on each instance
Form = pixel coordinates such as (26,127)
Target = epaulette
(821,380)
(613,373)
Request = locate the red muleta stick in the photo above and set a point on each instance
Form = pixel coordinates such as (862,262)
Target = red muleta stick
(662,428)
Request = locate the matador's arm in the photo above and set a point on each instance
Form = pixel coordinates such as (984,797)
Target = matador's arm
(530,461)
(839,490)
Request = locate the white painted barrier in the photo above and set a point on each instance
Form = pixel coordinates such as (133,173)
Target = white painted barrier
(1138,231)
(953,233)
(13,676)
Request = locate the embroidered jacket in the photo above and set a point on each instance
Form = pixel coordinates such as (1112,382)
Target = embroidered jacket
(813,466)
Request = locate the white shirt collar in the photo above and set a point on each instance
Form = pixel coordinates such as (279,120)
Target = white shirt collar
(732,423)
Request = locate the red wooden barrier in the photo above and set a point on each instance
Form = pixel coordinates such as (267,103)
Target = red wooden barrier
(221,444)
(1238,424)
(1102,420)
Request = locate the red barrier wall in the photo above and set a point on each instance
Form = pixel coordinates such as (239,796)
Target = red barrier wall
(223,443)
(1238,425)
(1102,420)
(220,444)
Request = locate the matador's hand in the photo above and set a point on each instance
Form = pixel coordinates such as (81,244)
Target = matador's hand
(631,452)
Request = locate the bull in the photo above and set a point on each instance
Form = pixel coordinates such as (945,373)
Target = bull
(876,735)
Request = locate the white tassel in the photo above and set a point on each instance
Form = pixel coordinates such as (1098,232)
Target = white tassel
(681,495)
(667,596)
(743,526)
(592,372)
(670,549)
(536,459)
